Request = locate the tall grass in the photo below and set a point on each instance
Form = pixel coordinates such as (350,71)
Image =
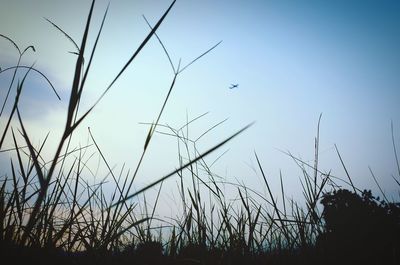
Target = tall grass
(46,206)
(51,204)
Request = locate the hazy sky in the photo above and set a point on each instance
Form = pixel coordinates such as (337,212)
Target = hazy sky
(292,60)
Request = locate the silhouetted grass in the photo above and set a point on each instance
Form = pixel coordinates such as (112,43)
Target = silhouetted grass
(50,214)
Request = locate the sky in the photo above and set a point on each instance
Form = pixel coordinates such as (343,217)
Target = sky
(293,61)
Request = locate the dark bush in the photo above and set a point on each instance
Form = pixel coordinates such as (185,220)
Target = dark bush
(359,229)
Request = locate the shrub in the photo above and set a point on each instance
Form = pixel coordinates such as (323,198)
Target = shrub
(359,229)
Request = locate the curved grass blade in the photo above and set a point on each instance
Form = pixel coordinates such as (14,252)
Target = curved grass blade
(65,34)
(37,71)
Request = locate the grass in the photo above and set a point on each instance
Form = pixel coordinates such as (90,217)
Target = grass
(50,213)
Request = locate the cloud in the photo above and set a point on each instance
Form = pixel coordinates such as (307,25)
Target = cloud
(38,97)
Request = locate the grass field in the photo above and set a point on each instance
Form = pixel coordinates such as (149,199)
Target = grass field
(51,214)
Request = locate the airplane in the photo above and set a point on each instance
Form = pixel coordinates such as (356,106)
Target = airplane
(233,86)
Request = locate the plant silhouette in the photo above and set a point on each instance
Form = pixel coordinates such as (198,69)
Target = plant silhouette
(359,229)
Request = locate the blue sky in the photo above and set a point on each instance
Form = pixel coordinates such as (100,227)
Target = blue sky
(292,60)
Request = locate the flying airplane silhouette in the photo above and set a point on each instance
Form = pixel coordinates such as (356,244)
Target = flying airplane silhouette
(233,86)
